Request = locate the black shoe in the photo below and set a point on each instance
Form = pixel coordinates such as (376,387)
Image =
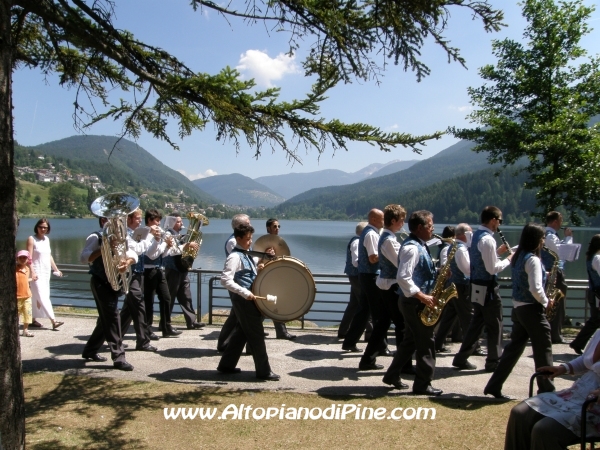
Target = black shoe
(229,370)
(370,366)
(123,365)
(491,367)
(171,333)
(559,341)
(479,352)
(396,383)
(175,331)
(408,370)
(443,350)
(576,349)
(498,395)
(145,348)
(341,336)
(386,352)
(153,337)
(196,326)
(431,391)
(353,349)
(94,357)
(464,365)
(286,336)
(266,334)
(269,377)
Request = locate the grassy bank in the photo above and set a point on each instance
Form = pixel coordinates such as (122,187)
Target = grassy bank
(75,412)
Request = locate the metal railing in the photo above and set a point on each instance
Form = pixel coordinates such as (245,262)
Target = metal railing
(330,301)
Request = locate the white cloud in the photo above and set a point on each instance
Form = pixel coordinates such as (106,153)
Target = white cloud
(194,176)
(258,65)
(394,127)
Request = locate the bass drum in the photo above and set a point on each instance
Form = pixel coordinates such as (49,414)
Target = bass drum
(290,280)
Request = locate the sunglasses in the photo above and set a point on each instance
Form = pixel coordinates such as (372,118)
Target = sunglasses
(42,228)
(499,220)
(275,226)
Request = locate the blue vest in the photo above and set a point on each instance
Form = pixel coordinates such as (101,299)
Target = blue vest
(387,269)
(520,281)
(350,270)
(247,275)
(547,260)
(457,276)
(364,265)
(478,273)
(96,267)
(593,277)
(424,272)
(225,246)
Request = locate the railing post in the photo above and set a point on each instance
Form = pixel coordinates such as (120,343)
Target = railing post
(210,301)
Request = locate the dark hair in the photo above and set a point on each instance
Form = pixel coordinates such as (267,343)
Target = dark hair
(100,220)
(175,214)
(593,247)
(391,212)
(552,216)
(449,232)
(530,241)
(242,230)
(152,214)
(39,222)
(271,221)
(489,213)
(418,218)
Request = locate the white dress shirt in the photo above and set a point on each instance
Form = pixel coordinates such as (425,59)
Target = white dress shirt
(354,252)
(230,245)
(533,268)
(461,257)
(234,264)
(487,247)
(389,249)
(371,240)
(92,244)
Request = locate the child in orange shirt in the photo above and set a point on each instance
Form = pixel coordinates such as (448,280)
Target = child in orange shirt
(23,291)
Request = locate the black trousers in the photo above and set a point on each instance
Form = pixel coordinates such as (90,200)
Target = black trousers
(134,309)
(351,310)
(179,288)
(369,305)
(417,337)
(559,318)
(459,308)
(108,327)
(529,323)
(248,329)
(390,313)
(156,283)
(490,315)
(591,325)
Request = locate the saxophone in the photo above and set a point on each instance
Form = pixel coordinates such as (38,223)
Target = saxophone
(554,294)
(441,297)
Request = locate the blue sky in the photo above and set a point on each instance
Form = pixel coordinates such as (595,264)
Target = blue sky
(206,42)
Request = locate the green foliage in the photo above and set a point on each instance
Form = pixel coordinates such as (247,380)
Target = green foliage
(538,102)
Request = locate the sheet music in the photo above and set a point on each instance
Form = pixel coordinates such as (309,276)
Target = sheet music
(569,252)
(140,234)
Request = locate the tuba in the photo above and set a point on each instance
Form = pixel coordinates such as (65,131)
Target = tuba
(185,260)
(554,294)
(441,296)
(115,207)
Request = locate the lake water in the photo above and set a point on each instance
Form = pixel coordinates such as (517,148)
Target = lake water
(321,245)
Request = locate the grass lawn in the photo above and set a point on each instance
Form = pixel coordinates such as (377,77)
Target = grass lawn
(76,412)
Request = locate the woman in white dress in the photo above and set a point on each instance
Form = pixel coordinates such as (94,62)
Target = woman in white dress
(42,267)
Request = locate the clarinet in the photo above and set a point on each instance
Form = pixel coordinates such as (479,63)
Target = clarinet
(504,241)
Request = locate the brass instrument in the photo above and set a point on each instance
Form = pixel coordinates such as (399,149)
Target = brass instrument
(441,297)
(115,207)
(185,260)
(554,294)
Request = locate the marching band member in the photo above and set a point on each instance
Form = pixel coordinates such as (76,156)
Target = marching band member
(416,278)
(528,314)
(106,298)
(179,281)
(238,275)
(485,293)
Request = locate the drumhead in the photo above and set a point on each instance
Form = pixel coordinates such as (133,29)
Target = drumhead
(293,284)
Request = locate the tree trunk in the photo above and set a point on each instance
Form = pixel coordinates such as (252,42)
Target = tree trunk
(12,404)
